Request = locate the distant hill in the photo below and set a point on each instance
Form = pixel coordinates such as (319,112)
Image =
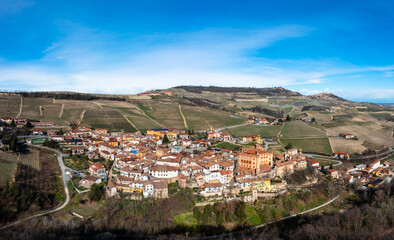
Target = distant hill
(277,91)
(327,96)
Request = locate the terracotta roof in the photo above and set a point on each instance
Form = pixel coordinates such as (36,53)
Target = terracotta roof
(163,168)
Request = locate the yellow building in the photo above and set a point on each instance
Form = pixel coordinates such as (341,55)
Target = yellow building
(113,143)
(255,158)
(125,188)
(172,135)
(264,185)
(252,138)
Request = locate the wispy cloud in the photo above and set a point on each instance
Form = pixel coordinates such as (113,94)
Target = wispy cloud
(89,60)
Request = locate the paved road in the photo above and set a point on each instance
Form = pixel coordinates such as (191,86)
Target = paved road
(269,223)
(65,178)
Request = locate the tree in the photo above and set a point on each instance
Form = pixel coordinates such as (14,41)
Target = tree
(13,144)
(331,167)
(196,214)
(61,131)
(29,125)
(313,120)
(12,123)
(165,139)
(240,211)
(288,118)
(289,146)
(96,192)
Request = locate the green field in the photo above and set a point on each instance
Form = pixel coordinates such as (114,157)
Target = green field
(298,129)
(6,170)
(200,118)
(263,131)
(311,145)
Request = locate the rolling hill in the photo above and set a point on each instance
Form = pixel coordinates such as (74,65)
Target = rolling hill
(201,108)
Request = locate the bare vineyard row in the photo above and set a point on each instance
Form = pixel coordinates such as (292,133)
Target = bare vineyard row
(32,159)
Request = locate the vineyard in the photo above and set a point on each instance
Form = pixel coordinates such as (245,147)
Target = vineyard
(37,186)
(31,159)
(7,171)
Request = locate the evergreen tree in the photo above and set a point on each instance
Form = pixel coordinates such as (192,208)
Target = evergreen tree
(288,118)
(331,167)
(61,131)
(313,120)
(12,123)
(13,144)
(165,139)
(289,146)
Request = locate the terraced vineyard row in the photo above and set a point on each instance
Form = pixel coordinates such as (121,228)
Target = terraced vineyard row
(31,159)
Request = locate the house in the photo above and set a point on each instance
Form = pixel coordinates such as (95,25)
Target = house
(43,124)
(52,132)
(37,132)
(75,141)
(341,155)
(113,142)
(163,171)
(244,183)
(225,176)
(88,181)
(160,188)
(209,166)
(283,168)
(101,131)
(213,188)
(313,163)
(97,169)
(226,165)
(212,176)
(263,185)
(111,188)
(77,149)
(148,189)
(347,136)
(333,173)
(376,183)
(252,138)
(375,164)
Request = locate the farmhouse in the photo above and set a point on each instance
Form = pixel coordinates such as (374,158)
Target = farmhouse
(88,181)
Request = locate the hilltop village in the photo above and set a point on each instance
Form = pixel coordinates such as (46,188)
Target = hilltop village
(141,165)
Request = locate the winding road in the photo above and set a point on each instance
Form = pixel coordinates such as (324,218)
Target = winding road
(65,178)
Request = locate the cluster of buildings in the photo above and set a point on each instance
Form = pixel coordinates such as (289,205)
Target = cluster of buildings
(368,175)
(264,121)
(144,166)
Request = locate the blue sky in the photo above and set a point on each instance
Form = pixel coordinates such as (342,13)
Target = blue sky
(131,46)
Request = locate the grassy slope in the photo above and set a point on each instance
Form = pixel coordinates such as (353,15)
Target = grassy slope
(298,129)
(263,131)
(312,145)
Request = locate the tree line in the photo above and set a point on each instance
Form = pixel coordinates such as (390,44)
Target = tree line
(70,96)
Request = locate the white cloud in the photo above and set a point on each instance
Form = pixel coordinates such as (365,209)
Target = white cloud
(89,60)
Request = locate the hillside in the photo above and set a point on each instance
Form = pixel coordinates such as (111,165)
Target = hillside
(200,108)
